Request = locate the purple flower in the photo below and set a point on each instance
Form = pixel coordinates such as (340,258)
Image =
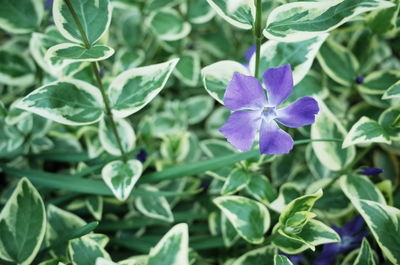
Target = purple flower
(371,171)
(48,4)
(253,112)
(352,233)
(249,53)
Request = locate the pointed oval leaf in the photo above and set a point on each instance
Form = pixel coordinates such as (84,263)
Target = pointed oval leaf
(70,52)
(250,218)
(300,56)
(154,207)
(108,140)
(239,13)
(95,206)
(393,91)
(378,82)
(217,76)
(330,154)
(21,16)
(121,177)
(281,260)
(71,102)
(237,180)
(304,20)
(366,130)
(135,88)
(199,12)
(188,68)
(173,248)
(168,25)
(15,69)
(85,251)
(22,224)
(94,16)
(366,255)
(229,234)
(389,120)
(198,108)
(264,255)
(261,189)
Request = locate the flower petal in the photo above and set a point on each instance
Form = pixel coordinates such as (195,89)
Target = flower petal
(300,113)
(273,140)
(241,128)
(279,83)
(244,92)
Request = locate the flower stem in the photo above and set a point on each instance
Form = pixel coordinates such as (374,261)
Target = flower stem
(96,73)
(258,35)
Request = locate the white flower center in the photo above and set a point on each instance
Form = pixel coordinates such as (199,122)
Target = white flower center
(269,113)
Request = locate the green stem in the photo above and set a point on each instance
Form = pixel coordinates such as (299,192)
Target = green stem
(258,35)
(96,72)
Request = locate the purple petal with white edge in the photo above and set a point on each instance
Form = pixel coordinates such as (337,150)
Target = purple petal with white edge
(299,113)
(244,92)
(241,127)
(279,84)
(274,140)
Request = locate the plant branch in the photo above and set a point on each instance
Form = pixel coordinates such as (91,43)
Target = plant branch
(96,72)
(258,35)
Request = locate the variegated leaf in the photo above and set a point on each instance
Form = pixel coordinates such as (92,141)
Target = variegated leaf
(71,102)
(229,234)
(188,68)
(239,13)
(127,137)
(366,255)
(154,207)
(15,69)
(264,255)
(330,154)
(94,16)
(300,55)
(22,16)
(299,21)
(85,251)
(251,219)
(135,88)
(198,108)
(366,130)
(22,224)
(95,206)
(199,12)
(70,52)
(173,248)
(237,180)
(281,260)
(378,82)
(393,91)
(389,120)
(121,177)
(261,189)
(168,25)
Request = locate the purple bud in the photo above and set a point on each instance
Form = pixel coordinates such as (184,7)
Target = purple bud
(360,80)
(141,155)
(249,53)
(371,171)
(48,4)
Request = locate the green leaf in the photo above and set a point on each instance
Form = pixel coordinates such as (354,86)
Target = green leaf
(173,248)
(15,69)
(94,16)
(154,5)
(71,52)
(300,56)
(281,260)
(264,255)
(261,189)
(61,224)
(198,108)
(338,63)
(330,154)
(366,254)
(199,12)
(22,224)
(361,187)
(313,233)
(384,21)
(299,21)
(85,251)
(108,140)
(121,177)
(390,121)
(366,130)
(154,207)
(95,206)
(135,88)
(239,13)
(378,82)
(168,25)
(188,68)
(71,102)
(301,204)
(393,91)
(229,234)
(236,181)
(287,193)
(217,76)
(250,218)
(22,16)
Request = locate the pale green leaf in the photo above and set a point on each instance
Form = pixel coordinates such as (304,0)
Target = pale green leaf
(393,91)
(15,69)
(390,121)
(188,68)
(264,255)
(95,206)
(378,82)
(236,181)
(366,254)
(85,251)
(281,260)
(70,52)
(199,12)
(22,224)
(168,25)
(71,102)
(251,219)
(198,108)
(261,189)
(173,248)
(22,16)
(239,13)
(121,177)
